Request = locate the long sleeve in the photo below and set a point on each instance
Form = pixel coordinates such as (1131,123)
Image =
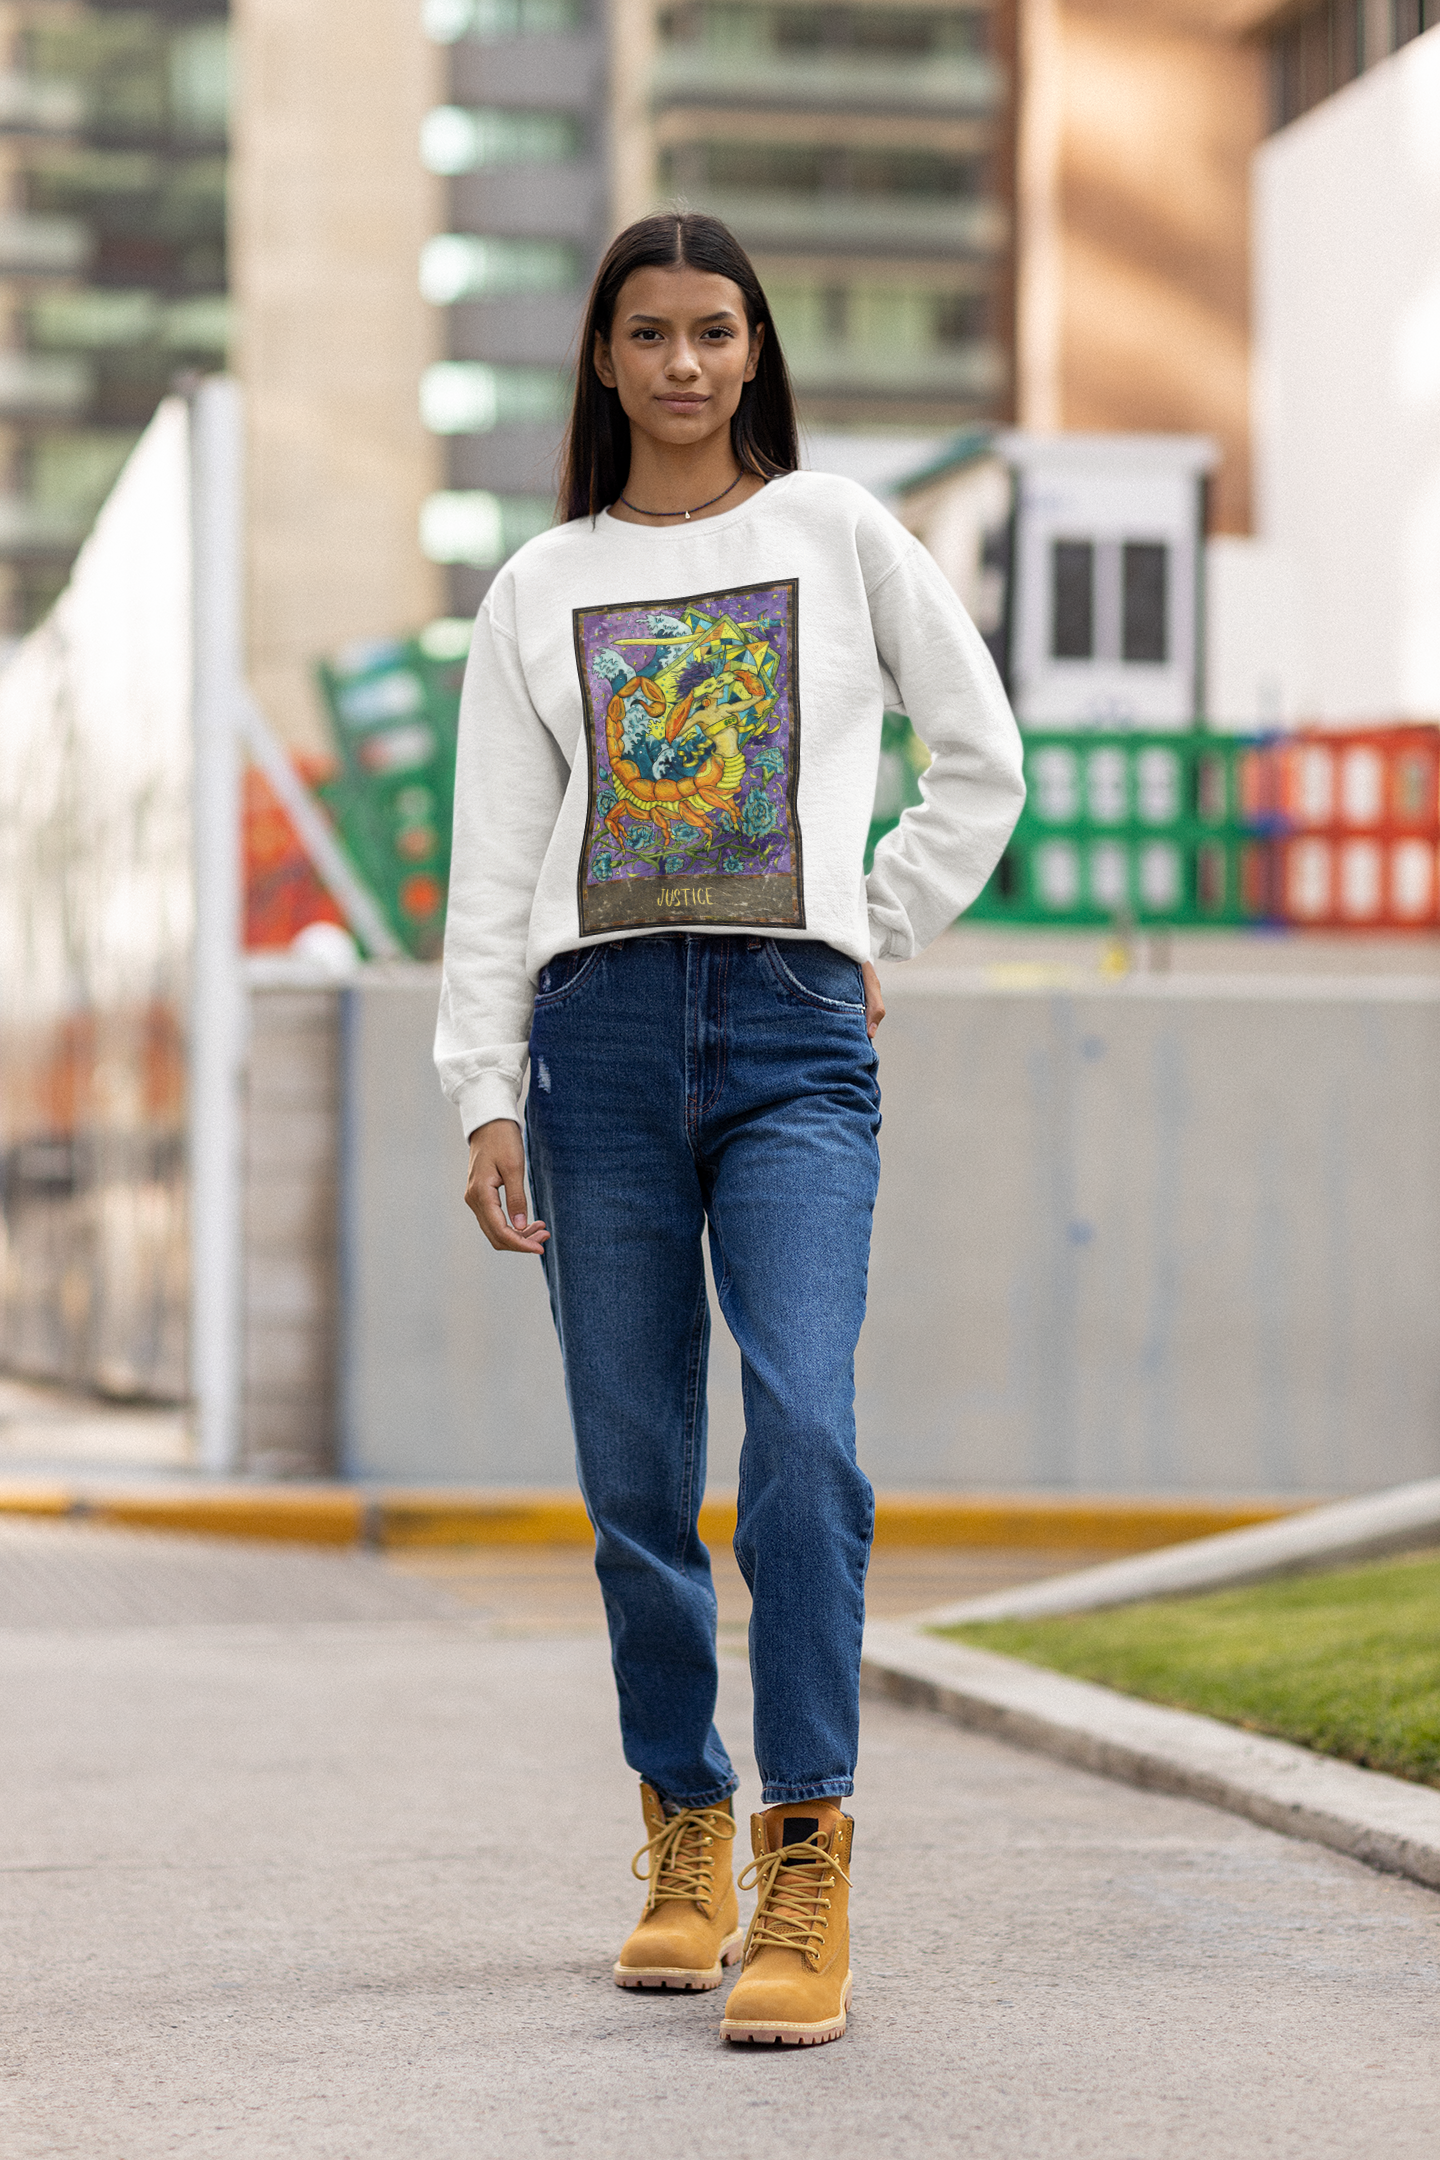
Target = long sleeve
(937,860)
(510,780)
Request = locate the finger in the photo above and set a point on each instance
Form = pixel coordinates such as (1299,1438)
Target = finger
(536,1237)
(512,1233)
(515,1234)
(874,1001)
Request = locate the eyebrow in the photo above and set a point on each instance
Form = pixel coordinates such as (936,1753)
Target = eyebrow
(724,314)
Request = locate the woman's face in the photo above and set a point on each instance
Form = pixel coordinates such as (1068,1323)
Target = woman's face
(680,352)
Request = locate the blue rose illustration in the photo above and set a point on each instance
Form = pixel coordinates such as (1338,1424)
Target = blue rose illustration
(759,817)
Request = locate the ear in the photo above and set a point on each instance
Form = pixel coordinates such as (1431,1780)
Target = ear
(604,366)
(757,339)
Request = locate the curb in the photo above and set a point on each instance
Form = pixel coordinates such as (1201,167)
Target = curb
(1381,1820)
(400,1517)
(1405,1518)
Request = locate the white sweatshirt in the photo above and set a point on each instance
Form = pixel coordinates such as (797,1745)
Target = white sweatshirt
(680,729)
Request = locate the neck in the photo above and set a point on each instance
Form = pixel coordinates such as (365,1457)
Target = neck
(672,478)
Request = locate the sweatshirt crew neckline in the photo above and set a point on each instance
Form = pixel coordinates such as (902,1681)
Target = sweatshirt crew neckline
(607,524)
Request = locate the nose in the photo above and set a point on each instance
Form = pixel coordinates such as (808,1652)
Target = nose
(683,364)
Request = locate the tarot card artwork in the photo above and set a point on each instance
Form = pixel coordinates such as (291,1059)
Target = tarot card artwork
(692,722)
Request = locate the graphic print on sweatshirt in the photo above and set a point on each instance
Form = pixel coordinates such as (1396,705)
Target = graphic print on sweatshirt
(692,723)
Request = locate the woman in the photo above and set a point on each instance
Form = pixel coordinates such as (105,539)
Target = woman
(668,747)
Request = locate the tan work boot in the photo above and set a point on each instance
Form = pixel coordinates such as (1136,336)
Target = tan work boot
(794,1990)
(690,1928)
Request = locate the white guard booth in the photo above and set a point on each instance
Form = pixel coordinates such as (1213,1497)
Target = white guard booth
(1107,607)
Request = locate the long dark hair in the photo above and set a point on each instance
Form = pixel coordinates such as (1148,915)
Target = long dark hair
(763,432)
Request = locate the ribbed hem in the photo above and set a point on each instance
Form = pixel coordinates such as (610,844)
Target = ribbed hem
(489,1095)
(834,1788)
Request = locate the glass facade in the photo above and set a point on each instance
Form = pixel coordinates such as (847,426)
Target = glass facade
(865,155)
(519,142)
(113,146)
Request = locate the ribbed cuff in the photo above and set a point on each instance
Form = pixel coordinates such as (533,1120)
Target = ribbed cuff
(489,1095)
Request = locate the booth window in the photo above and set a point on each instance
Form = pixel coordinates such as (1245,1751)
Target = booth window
(1072,600)
(1144,567)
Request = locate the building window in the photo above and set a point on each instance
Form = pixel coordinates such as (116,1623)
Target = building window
(823,169)
(474,526)
(1072,600)
(472,397)
(882,33)
(489,21)
(465,266)
(962,318)
(457,139)
(1144,576)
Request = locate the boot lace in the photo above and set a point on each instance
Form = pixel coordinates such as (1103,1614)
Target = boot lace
(679,1860)
(791,1911)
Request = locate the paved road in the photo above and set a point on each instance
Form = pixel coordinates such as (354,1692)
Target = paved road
(309,1888)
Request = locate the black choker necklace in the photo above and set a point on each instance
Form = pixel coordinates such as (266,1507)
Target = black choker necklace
(686,514)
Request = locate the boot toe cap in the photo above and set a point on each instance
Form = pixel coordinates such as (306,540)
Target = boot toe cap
(668,1947)
(801,1999)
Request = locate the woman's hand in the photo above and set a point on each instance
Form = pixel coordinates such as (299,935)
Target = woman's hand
(874,1003)
(497,1159)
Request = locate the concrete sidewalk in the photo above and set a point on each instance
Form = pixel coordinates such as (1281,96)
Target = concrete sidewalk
(348,1889)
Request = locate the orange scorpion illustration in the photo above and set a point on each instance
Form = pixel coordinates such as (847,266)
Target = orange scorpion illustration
(733,700)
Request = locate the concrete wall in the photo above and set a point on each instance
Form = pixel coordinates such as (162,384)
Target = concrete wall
(291,1202)
(1183,1236)
(331,208)
(1347,223)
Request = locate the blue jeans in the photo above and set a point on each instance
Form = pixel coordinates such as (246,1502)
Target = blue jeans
(676,1079)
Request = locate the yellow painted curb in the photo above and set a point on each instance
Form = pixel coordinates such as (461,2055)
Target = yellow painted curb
(37,1500)
(429,1517)
(260,1511)
(423,1516)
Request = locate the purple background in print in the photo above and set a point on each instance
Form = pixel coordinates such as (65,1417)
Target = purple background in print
(754,851)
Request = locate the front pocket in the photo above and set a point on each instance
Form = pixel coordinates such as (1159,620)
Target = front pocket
(815,974)
(563,975)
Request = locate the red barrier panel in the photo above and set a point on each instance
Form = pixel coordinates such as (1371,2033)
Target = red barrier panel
(283,896)
(1358,882)
(1355,815)
(1362,780)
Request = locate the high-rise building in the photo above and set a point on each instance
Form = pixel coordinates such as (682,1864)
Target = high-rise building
(113,269)
(1319,47)
(864,153)
(520,144)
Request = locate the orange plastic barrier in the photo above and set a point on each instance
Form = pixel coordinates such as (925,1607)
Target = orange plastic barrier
(283,896)
(1353,816)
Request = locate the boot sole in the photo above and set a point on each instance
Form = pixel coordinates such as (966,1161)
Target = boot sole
(684,1979)
(760,2032)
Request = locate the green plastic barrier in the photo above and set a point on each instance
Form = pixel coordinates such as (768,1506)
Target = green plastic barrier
(1144,828)
(394,707)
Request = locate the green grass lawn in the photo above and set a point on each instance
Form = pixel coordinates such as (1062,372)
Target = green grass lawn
(1347,1663)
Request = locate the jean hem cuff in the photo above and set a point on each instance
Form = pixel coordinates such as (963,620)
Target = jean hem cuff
(712,1798)
(835,1788)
